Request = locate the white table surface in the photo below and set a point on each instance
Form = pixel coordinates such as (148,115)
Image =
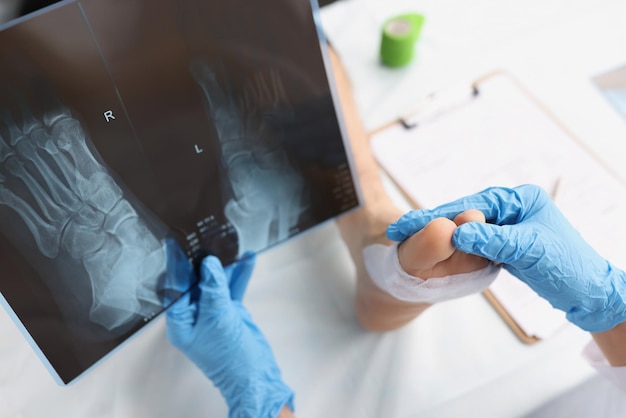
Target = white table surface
(458,359)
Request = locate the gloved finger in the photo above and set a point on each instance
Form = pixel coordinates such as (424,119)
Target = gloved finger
(417,220)
(410,223)
(239,275)
(181,315)
(500,205)
(214,292)
(179,276)
(507,244)
(414,221)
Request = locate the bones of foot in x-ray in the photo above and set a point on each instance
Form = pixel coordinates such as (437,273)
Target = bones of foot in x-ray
(73,207)
(268,192)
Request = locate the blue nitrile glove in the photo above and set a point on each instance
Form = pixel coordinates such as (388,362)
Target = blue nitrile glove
(178,276)
(214,330)
(529,235)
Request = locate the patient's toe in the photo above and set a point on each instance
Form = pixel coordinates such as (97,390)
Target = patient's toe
(423,250)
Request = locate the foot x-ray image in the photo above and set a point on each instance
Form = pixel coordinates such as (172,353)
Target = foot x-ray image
(137,137)
(268,194)
(78,217)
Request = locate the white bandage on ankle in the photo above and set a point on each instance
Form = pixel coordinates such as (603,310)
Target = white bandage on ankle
(384,268)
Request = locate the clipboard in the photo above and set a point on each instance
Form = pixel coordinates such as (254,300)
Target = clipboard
(493,132)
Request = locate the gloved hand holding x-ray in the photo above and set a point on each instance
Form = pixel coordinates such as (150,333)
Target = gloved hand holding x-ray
(80,217)
(533,240)
(116,177)
(215,331)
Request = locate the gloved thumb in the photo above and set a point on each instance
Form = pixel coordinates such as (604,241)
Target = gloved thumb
(181,318)
(505,244)
(214,292)
(178,276)
(239,275)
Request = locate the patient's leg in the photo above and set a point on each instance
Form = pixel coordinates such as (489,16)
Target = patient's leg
(376,310)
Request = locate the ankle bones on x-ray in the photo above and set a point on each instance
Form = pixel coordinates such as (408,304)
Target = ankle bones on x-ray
(268,192)
(384,268)
(73,208)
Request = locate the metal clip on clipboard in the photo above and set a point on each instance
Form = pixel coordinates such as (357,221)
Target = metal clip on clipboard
(438,103)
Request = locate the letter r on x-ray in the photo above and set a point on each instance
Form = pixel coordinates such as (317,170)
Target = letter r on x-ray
(108,116)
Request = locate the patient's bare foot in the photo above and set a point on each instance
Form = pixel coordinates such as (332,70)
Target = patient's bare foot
(427,254)
(430,254)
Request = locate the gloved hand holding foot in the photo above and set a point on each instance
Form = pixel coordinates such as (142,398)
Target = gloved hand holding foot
(529,235)
(215,331)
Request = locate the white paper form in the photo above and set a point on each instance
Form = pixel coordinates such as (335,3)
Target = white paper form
(504,138)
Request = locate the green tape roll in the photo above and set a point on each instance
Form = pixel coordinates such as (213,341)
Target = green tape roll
(398,41)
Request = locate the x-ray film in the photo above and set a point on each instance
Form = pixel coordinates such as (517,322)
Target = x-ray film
(138,136)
